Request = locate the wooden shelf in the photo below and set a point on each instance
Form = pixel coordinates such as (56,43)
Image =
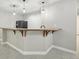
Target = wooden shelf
(24,30)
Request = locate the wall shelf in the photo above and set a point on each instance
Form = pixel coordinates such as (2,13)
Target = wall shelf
(24,30)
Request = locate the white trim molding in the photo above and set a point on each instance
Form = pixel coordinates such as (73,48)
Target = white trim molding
(39,52)
(29,52)
(65,49)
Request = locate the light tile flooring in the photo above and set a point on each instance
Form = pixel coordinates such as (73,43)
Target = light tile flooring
(7,52)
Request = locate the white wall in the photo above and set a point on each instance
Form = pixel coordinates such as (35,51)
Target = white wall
(34,21)
(61,13)
(64,16)
(34,41)
(7,19)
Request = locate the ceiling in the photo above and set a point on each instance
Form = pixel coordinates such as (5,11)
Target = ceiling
(30,5)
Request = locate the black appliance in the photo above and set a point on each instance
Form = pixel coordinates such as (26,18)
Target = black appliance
(21,24)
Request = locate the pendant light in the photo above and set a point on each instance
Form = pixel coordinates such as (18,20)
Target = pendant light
(24,9)
(43,13)
(14,7)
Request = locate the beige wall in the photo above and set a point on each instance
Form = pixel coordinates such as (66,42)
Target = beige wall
(78,35)
(77,24)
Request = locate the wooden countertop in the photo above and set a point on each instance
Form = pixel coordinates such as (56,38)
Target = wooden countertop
(24,30)
(33,29)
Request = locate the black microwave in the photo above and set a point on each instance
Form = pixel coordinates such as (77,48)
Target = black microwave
(21,24)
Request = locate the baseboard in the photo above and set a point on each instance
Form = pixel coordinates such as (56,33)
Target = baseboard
(48,50)
(64,49)
(29,52)
(39,52)
(17,49)
(34,53)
